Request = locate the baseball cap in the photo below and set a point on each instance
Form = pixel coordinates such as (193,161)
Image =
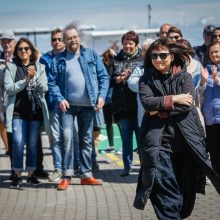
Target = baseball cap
(208,29)
(7,35)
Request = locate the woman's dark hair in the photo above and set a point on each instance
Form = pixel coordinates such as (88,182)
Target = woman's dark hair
(34,55)
(187,44)
(131,35)
(175,30)
(181,53)
(213,33)
(211,45)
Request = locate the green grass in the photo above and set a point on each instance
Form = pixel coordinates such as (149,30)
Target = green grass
(117,140)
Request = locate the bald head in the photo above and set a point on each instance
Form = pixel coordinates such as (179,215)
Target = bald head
(164,28)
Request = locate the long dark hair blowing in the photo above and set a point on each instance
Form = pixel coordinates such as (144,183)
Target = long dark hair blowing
(180,52)
(34,54)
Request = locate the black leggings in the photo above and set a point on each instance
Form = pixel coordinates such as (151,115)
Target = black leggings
(9,136)
(108,116)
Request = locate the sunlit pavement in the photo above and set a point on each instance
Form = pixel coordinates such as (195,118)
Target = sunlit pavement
(113,200)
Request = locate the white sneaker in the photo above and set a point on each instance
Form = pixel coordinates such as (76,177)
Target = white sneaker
(118,152)
(55,176)
(102,137)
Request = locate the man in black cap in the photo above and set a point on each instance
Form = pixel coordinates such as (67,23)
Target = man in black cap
(200,51)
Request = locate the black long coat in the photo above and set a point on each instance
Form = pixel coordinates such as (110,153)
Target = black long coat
(186,118)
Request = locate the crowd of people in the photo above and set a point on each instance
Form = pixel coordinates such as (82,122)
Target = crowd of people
(163,90)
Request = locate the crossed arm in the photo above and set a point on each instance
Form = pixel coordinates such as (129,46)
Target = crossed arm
(166,105)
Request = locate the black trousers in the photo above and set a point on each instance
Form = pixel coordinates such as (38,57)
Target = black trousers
(212,132)
(165,196)
(39,164)
(174,190)
(9,136)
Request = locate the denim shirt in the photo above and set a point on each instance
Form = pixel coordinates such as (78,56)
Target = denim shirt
(46,60)
(96,76)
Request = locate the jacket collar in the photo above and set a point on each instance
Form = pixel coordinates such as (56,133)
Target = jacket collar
(122,56)
(157,81)
(62,55)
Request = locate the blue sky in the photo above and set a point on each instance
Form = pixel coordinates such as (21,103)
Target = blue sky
(189,15)
(105,13)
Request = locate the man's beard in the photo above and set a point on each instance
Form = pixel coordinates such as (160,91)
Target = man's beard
(73,48)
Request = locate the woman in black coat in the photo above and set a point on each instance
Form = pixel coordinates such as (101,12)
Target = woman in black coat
(172,144)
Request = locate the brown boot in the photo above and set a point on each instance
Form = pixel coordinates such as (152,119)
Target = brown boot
(4,136)
(96,140)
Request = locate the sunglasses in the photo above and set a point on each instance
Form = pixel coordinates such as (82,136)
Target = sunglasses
(20,49)
(175,37)
(162,56)
(216,36)
(56,39)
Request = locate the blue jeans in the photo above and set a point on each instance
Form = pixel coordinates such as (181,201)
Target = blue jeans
(56,145)
(126,127)
(85,117)
(55,140)
(25,132)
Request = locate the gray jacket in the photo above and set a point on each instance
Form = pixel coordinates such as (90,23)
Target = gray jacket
(2,92)
(12,88)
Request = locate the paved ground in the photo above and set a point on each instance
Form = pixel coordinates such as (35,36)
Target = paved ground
(111,201)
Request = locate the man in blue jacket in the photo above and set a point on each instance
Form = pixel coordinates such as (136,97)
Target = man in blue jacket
(46,59)
(79,82)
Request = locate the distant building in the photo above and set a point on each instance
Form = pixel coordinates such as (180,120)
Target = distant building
(96,39)
(101,40)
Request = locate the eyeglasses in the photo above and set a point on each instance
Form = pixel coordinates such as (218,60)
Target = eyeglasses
(216,36)
(175,37)
(162,56)
(56,39)
(20,49)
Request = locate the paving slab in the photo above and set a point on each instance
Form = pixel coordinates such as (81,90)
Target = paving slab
(111,201)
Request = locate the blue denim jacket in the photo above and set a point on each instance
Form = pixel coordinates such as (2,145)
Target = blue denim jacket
(96,76)
(46,59)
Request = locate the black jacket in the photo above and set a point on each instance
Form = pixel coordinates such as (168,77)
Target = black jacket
(187,120)
(124,101)
(201,54)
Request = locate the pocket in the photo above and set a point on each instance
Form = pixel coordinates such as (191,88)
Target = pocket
(92,66)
